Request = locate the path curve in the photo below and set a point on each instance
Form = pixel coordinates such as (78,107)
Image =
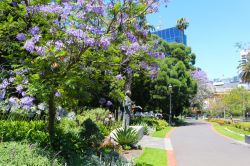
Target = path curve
(198,145)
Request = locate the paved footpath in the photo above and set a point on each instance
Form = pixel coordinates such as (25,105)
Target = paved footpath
(197,144)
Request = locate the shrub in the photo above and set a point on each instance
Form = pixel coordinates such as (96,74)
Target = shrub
(162,124)
(126,136)
(151,122)
(13,153)
(33,131)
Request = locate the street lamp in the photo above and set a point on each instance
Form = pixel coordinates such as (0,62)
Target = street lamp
(170,103)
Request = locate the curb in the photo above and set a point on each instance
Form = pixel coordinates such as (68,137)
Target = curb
(170,153)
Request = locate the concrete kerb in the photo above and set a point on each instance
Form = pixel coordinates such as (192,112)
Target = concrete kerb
(170,152)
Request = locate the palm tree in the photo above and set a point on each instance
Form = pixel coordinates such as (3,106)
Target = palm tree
(182,25)
(244,68)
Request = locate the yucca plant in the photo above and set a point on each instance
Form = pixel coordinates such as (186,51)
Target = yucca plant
(126,136)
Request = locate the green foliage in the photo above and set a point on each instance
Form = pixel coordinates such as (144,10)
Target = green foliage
(236,101)
(158,124)
(33,131)
(91,134)
(14,153)
(126,136)
(161,124)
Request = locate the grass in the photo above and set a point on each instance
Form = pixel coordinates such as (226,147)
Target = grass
(162,133)
(152,157)
(16,153)
(221,129)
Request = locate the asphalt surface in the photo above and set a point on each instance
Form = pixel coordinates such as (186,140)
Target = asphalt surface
(198,145)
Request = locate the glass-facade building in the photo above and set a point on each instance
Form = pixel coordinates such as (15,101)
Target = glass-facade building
(172,35)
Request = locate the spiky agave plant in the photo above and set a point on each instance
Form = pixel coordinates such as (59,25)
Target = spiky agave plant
(126,136)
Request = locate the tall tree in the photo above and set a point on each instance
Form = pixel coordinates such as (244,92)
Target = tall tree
(182,24)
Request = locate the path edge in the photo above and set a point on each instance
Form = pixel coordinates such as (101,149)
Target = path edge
(171,159)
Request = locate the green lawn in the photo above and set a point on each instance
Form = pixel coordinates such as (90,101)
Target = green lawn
(222,130)
(162,133)
(152,157)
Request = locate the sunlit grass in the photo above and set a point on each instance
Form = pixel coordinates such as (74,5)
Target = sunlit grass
(223,131)
(162,133)
(152,157)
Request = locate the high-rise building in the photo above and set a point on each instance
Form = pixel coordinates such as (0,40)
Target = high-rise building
(244,53)
(172,35)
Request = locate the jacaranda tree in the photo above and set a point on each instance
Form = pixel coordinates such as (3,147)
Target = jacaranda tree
(60,44)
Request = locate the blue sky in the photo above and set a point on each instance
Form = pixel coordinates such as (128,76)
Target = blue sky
(215,27)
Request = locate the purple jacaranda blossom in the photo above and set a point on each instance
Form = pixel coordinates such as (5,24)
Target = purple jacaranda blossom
(59,44)
(40,50)
(11,79)
(2,93)
(153,72)
(145,32)
(56,22)
(102,101)
(52,30)
(58,94)
(131,37)
(24,94)
(80,2)
(4,84)
(109,103)
(29,45)
(34,30)
(36,38)
(81,15)
(118,77)
(27,101)
(200,76)
(76,33)
(89,41)
(105,42)
(53,8)
(21,37)
(129,70)
(144,65)
(19,88)
(13,101)
(25,82)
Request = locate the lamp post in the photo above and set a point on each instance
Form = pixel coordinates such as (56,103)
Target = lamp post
(170,103)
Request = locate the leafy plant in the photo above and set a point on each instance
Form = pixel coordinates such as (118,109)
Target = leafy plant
(33,131)
(16,153)
(126,136)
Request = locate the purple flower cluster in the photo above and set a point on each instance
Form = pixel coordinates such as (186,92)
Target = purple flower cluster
(59,44)
(105,42)
(130,49)
(200,75)
(40,50)
(118,77)
(13,101)
(131,37)
(29,45)
(109,103)
(34,30)
(58,94)
(56,9)
(27,102)
(4,84)
(153,72)
(21,37)
(98,9)
(2,93)
(19,88)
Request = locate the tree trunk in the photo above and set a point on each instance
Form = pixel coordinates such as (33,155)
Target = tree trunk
(128,81)
(52,115)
